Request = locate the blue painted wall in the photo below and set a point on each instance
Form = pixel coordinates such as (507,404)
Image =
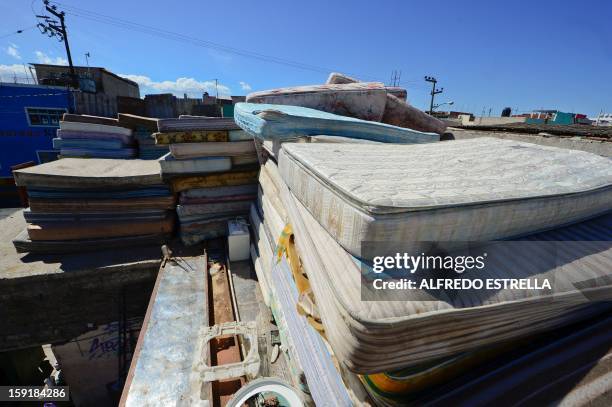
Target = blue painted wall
(19,141)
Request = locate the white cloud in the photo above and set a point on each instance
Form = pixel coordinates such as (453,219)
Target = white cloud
(245,86)
(13,51)
(46,59)
(178,87)
(10,73)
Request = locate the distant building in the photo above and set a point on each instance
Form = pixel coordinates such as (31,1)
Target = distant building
(29,118)
(91,80)
(552,116)
(450,114)
(602,119)
(98,91)
(166,105)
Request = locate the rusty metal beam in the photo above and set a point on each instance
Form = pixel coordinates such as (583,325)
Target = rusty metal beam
(226,349)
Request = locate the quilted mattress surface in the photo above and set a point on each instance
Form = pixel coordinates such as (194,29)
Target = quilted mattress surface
(378,336)
(470,190)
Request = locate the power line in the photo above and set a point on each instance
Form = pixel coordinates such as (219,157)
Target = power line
(170,35)
(16,32)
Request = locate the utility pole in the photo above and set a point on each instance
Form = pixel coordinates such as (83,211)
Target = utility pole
(52,28)
(395,78)
(87,55)
(434,91)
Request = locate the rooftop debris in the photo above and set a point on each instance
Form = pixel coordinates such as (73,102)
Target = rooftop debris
(601,133)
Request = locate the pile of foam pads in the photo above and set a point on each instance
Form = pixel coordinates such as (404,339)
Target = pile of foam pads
(212,166)
(282,288)
(94,137)
(91,204)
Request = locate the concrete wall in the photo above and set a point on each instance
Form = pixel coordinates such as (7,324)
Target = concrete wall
(90,362)
(167,105)
(96,104)
(114,86)
(602,148)
(131,105)
(186,105)
(490,121)
(62,307)
(160,106)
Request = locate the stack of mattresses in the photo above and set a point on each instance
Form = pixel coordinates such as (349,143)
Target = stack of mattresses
(346,96)
(94,137)
(91,204)
(147,148)
(143,129)
(335,199)
(213,167)
(273,125)
(306,351)
(466,191)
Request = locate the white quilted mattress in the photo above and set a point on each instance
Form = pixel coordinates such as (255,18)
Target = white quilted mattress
(378,336)
(470,190)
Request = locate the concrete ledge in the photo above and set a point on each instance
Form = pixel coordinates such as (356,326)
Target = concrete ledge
(603,148)
(54,298)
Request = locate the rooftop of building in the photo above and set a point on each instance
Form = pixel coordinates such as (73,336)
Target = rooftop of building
(94,68)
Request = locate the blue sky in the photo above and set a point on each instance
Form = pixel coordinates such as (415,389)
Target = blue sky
(486,54)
